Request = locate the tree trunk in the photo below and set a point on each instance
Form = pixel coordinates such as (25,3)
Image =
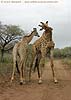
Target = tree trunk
(2,55)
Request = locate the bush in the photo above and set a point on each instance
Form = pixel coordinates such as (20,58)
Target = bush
(62,53)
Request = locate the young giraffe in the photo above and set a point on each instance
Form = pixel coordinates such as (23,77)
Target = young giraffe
(40,48)
(20,49)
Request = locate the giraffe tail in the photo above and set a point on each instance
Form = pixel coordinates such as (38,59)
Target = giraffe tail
(17,67)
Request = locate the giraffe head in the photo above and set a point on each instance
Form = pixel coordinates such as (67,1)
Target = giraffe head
(35,31)
(45,26)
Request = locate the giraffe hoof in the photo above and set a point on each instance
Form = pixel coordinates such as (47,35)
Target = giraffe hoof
(11,80)
(55,81)
(40,82)
(21,83)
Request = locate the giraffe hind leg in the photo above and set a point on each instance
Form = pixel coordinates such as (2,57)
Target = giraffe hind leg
(14,65)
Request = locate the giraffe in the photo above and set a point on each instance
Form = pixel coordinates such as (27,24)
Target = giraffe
(40,47)
(20,49)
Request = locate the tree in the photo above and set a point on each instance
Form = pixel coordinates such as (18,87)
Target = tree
(8,34)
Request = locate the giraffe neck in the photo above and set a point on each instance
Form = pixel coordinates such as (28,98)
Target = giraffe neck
(29,38)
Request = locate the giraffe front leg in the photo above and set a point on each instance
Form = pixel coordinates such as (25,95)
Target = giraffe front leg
(41,68)
(52,66)
(42,64)
(37,66)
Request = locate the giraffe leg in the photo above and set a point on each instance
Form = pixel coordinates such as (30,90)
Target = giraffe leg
(33,65)
(14,54)
(42,62)
(39,76)
(37,66)
(41,67)
(21,72)
(14,66)
(52,66)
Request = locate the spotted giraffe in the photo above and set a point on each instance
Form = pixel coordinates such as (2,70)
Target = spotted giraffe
(20,49)
(40,48)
